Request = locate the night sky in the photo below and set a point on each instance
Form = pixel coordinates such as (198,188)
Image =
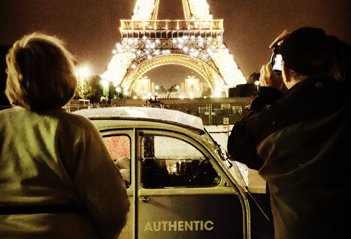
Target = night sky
(90,27)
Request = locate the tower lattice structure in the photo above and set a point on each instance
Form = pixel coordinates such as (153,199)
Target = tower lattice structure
(195,42)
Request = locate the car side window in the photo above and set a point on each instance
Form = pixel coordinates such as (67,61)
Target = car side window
(119,149)
(172,162)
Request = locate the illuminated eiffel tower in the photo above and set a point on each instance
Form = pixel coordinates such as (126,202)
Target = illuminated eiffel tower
(195,42)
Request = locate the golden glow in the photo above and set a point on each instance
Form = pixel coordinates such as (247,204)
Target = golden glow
(148,41)
(84,72)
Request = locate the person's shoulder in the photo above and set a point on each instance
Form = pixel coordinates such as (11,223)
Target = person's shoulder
(5,111)
(69,115)
(70,124)
(4,115)
(74,120)
(13,112)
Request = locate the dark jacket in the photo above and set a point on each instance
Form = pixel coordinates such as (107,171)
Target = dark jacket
(299,142)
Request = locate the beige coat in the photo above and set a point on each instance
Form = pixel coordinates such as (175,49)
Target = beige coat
(57,179)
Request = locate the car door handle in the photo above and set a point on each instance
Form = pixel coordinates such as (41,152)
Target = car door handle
(145,199)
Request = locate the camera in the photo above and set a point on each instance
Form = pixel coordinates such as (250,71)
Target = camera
(276,61)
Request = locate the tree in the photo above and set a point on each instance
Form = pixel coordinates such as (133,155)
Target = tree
(96,89)
(83,89)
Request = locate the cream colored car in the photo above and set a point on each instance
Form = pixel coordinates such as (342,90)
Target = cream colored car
(180,182)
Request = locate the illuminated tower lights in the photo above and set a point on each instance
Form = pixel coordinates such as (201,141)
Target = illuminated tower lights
(201,38)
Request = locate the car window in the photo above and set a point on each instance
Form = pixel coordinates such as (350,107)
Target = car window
(119,148)
(171,162)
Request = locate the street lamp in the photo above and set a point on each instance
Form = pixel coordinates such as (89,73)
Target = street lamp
(83,72)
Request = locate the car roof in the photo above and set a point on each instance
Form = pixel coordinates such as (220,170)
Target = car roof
(144,113)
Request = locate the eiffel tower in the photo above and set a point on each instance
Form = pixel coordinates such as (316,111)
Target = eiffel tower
(195,42)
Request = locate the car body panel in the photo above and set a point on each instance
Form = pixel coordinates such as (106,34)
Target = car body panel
(180,184)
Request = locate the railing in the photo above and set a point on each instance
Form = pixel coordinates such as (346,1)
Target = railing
(172,25)
(166,29)
(213,111)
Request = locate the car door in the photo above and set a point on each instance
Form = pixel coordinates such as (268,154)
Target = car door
(121,146)
(182,191)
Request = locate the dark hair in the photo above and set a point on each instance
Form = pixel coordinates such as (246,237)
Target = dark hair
(40,73)
(308,51)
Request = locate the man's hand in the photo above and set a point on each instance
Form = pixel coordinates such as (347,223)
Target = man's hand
(269,78)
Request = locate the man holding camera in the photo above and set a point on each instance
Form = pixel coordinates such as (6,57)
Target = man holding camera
(296,134)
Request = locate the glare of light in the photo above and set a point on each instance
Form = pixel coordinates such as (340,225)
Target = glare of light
(119,47)
(217,93)
(157,52)
(105,83)
(84,71)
